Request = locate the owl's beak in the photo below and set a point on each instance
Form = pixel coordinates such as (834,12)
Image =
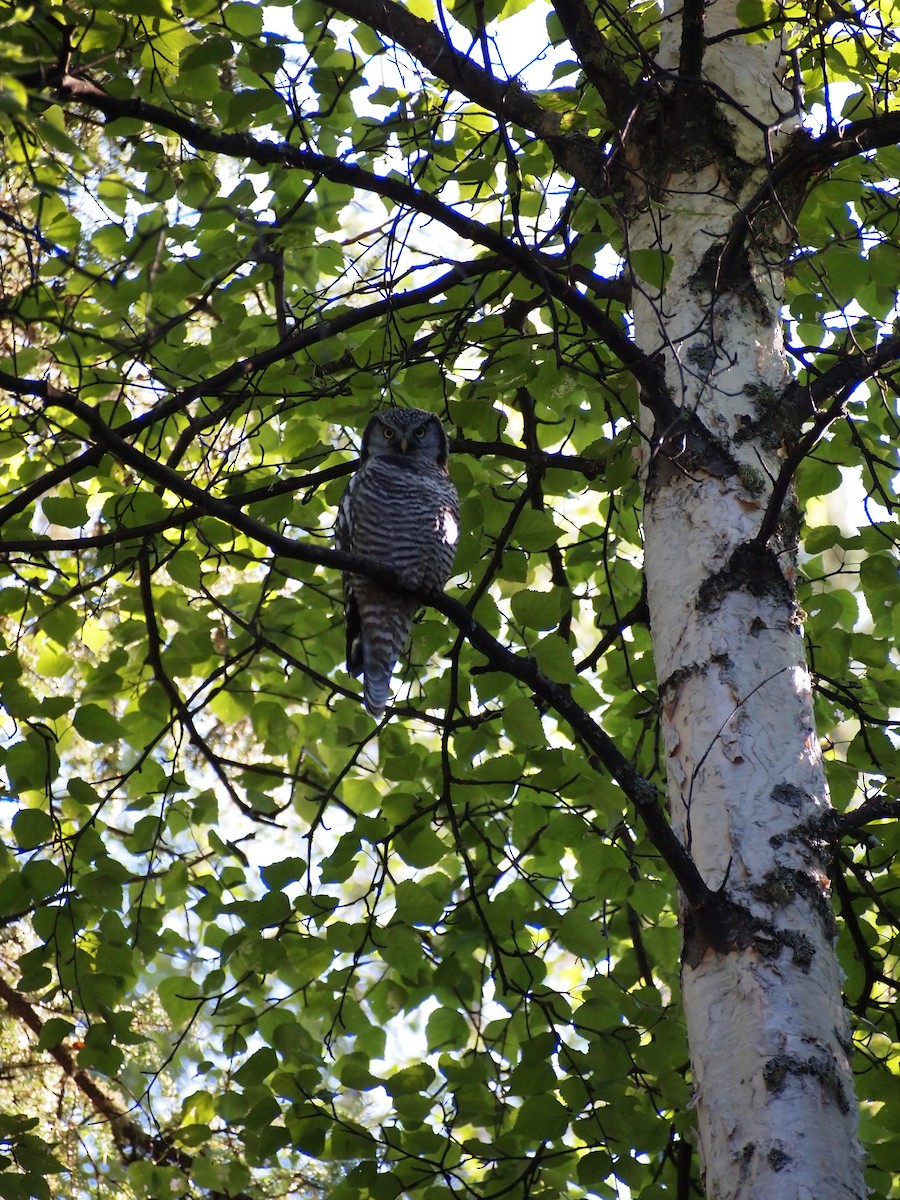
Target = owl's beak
(404,444)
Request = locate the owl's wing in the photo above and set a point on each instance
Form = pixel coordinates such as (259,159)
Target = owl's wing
(343,539)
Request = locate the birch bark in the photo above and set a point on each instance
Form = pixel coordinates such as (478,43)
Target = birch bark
(768,1034)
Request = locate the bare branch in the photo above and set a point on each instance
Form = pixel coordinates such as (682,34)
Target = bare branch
(789,469)
(840,142)
(858,818)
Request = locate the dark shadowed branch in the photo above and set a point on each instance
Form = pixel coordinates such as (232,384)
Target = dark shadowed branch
(268,153)
(601,66)
(641,791)
(505,98)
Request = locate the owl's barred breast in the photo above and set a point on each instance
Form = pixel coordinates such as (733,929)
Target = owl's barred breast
(407,520)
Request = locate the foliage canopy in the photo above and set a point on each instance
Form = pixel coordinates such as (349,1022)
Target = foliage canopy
(254,945)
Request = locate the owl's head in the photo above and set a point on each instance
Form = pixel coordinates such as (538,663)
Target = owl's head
(406,434)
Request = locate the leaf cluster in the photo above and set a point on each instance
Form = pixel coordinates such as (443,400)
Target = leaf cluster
(270,949)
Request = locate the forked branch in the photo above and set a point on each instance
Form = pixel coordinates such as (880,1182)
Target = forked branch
(641,791)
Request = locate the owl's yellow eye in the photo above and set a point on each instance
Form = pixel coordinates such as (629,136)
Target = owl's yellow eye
(388,433)
(420,432)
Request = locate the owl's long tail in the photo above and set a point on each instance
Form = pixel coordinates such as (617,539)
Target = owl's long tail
(385,629)
(377,689)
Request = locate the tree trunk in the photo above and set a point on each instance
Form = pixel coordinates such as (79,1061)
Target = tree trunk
(769,1038)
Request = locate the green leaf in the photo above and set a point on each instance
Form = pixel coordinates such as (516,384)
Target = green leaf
(352,1141)
(446,1029)
(421,847)
(512,8)
(542,1117)
(62,624)
(14,896)
(535,530)
(652,265)
(179,998)
(288,870)
(55,1031)
(69,511)
(523,722)
(416,904)
(184,568)
(244,19)
(554,657)
(257,1067)
(41,877)
(410,1081)
(539,610)
(96,724)
(32,828)
(594,1168)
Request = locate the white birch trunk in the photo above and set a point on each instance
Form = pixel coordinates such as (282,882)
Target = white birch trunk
(768,1034)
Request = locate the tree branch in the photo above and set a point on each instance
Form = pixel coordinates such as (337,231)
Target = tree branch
(789,468)
(124,1129)
(318,331)
(803,400)
(601,66)
(506,99)
(642,792)
(590,468)
(843,824)
(180,710)
(693,39)
(838,143)
(269,153)
(803,159)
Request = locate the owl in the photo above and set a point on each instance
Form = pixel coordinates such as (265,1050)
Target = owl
(401,510)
